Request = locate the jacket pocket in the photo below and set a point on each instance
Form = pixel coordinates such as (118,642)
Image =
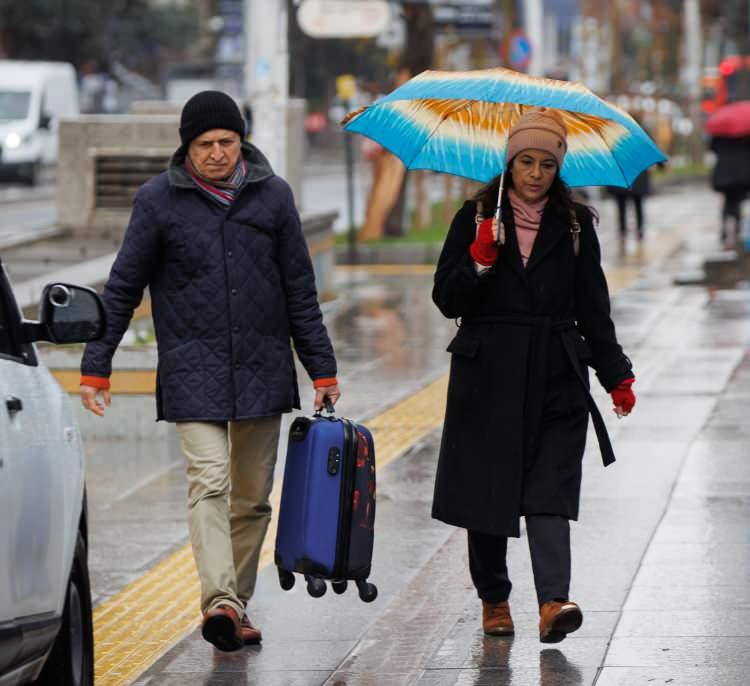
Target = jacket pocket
(464,345)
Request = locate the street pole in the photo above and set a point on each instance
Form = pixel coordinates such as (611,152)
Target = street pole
(692,74)
(346,90)
(534,16)
(267,77)
(349,152)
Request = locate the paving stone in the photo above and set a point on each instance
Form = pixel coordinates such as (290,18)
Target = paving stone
(685,676)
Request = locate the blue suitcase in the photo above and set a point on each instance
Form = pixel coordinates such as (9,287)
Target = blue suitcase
(327,512)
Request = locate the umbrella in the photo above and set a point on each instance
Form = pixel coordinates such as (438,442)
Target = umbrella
(730,121)
(458,123)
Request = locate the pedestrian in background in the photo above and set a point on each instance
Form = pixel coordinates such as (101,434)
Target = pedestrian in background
(634,195)
(217,239)
(532,313)
(731,177)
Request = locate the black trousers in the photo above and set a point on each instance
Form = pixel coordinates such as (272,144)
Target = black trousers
(622,209)
(732,209)
(549,545)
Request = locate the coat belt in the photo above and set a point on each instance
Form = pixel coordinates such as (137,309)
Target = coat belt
(543,328)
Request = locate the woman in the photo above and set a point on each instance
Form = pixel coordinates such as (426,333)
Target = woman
(533,312)
(731,177)
(636,193)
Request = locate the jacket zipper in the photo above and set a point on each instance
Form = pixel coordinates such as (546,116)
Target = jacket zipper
(228,291)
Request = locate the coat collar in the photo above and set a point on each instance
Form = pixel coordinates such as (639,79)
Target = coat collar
(551,230)
(511,253)
(258,167)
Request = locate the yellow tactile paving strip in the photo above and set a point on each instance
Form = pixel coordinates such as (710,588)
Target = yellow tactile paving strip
(144,620)
(161,607)
(123,382)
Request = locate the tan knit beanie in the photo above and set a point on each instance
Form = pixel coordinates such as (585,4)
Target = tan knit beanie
(538,129)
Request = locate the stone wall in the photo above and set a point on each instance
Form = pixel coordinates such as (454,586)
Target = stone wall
(148,135)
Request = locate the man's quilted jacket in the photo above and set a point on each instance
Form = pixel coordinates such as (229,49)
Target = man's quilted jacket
(229,288)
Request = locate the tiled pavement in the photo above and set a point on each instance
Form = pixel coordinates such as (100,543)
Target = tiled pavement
(660,555)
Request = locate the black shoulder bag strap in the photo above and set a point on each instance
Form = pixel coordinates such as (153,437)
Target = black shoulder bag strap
(575,232)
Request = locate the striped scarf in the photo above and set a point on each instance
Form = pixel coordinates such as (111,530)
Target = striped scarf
(222,192)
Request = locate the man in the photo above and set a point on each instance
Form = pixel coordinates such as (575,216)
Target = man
(217,239)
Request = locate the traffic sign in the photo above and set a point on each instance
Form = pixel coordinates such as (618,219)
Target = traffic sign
(517,50)
(343,18)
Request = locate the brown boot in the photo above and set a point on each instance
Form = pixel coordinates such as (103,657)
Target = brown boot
(250,635)
(221,626)
(557,620)
(496,619)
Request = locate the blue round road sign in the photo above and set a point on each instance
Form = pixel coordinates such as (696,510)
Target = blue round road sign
(520,50)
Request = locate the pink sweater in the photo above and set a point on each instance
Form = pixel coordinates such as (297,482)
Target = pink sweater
(528,217)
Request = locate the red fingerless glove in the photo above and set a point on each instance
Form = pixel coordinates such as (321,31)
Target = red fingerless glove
(623,396)
(484,249)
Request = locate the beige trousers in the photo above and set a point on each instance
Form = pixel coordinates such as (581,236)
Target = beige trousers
(230,474)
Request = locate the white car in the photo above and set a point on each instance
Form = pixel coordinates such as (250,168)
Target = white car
(46,633)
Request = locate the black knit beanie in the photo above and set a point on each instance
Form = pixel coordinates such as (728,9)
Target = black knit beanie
(209,110)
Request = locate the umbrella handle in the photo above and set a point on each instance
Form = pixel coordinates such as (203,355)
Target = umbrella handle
(499,212)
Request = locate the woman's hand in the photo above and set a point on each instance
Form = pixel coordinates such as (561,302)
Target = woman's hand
(484,248)
(623,398)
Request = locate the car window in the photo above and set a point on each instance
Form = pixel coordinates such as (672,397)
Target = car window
(8,344)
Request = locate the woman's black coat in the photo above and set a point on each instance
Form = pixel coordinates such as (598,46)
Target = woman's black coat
(518,400)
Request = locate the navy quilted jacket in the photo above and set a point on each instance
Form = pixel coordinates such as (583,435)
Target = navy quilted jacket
(229,288)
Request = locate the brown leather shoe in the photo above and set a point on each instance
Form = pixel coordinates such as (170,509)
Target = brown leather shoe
(221,626)
(250,635)
(557,620)
(496,619)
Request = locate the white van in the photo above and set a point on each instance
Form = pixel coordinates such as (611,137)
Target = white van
(33,98)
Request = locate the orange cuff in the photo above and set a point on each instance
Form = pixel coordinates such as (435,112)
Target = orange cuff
(96,381)
(323,383)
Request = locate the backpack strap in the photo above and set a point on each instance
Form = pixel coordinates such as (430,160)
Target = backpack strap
(575,232)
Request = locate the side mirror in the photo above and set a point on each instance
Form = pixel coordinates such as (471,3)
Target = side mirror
(45,121)
(68,314)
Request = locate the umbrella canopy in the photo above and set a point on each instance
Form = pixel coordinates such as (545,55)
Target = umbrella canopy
(458,123)
(730,121)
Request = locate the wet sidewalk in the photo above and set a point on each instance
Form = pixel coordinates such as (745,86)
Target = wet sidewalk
(660,556)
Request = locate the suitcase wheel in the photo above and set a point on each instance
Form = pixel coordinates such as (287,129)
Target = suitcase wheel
(367,591)
(286,579)
(316,587)
(339,586)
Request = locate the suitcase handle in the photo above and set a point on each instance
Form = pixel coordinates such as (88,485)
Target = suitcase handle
(328,407)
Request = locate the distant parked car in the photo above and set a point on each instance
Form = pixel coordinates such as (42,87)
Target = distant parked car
(34,96)
(46,632)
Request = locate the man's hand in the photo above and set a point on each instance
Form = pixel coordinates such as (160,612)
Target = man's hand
(331,392)
(90,399)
